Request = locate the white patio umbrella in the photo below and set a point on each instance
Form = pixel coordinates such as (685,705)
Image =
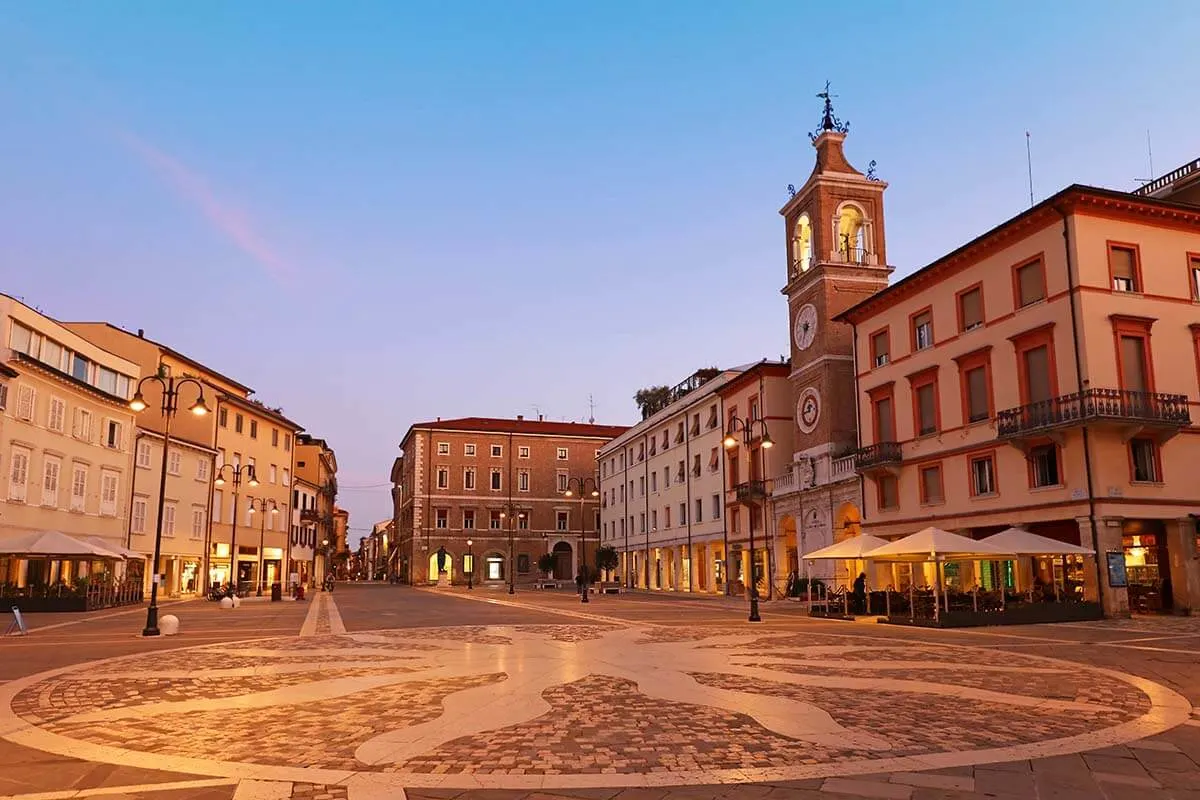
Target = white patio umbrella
(118,551)
(855,548)
(1024,543)
(52,543)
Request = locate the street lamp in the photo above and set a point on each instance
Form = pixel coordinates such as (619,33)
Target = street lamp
(263,506)
(748,426)
(582,485)
(512,518)
(170,404)
(235,473)
(471,566)
(328,579)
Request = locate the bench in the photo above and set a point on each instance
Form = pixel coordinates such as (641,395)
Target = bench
(547,584)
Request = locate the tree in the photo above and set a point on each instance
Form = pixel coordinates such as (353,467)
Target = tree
(546,563)
(652,399)
(607,559)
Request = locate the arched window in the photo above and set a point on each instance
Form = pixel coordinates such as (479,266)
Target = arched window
(852,234)
(802,245)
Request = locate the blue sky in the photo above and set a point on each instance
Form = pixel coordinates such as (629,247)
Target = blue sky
(375,213)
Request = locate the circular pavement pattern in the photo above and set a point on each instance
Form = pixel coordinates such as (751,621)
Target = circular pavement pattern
(524,707)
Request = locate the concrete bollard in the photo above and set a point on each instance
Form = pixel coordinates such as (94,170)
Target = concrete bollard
(168,625)
(226,602)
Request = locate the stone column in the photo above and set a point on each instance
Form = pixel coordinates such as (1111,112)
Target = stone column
(1113,599)
(1185,564)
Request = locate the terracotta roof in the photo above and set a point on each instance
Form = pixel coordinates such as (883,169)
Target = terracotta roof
(527,426)
(258,408)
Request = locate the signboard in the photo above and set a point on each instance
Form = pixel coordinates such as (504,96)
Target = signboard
(18,623)
(1116,569)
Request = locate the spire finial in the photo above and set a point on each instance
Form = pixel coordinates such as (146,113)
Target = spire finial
(829,122)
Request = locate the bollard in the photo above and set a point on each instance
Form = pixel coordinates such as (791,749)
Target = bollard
(168,625)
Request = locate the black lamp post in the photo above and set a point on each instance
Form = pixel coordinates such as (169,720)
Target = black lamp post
(235,473)
(471,567)
(581,486)
(748,426)
(328,579)
(170,404)
(263,506)
(512,517)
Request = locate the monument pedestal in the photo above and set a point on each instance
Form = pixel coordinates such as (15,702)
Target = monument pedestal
(443,580)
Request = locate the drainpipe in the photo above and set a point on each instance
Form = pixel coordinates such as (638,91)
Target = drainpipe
(1079,385)
(862,491)
(132,484)
(646,478)
(687,463)
(724,509)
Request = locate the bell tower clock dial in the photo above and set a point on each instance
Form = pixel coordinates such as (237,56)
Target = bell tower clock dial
(805,328)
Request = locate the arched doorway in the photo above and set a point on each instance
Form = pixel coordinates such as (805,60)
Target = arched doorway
(433,567)
(562,562)
(790,546)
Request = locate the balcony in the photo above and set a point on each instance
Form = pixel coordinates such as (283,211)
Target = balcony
(750,491)
(879,457)
(309,515)
(1133,413)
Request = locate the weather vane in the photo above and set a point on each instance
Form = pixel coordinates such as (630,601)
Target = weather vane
(829,122)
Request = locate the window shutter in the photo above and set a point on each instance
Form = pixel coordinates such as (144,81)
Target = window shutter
(1037,374)
(1133,364)
(1120,260)
(972,309)
(883,410)
(1029,279)
(977,399)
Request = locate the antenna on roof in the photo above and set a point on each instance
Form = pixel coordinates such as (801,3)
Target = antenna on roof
(591,410)
(1150,154)
(1029,166)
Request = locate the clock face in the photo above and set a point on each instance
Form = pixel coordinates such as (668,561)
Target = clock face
(806,326)
(808,410)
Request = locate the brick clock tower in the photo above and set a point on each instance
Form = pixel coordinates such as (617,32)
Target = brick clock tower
(835,258)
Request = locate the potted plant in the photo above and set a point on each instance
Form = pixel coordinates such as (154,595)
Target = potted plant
(546,563)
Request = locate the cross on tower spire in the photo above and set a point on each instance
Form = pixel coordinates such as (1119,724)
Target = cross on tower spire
(829,121)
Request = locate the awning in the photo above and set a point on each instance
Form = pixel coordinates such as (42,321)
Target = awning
(53,544)
(119,550)
(1024,543)
(856,547)
(934,543)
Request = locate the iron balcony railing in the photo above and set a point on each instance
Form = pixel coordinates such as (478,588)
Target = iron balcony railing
(748,491)
(1166,180)
(880,454)
(1095,405)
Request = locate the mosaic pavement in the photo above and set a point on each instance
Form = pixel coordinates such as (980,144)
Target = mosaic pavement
(568,706)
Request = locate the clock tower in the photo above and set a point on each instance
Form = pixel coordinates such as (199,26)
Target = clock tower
(835,258)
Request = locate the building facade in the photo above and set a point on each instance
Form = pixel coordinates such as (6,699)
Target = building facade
(662,492)
(836,257)
(316,465)
(305,543)
(66,439)
(502,484)
(1046,375)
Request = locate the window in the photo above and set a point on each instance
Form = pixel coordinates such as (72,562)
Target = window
(983,475)
(666,477)
(143,455)
(714,459)
(441,519)
(443,448)
(666,516)
(495,480)
(81,369)
(926,416)
(238,421)
(253,429)
(168,519)
(666,440)
(1194,275)
(1143,456)
(78,487)
(1029,283)
(469,450)
(679,433)
(271,473)
(1133,364)
(108,493)
(888,491)
(523,481)
(654,519)
(922,329)
(1036,356)
(698,514)
(712,417)
(1123,268)
(1043,466)
(83,424)
(26,401)
(494,521)
(683,513)
(883,415)
(641,452)
(695,429)
(561,520)
(18,474)
(497,451)
(641,486)
(137,522)
(716,506)
(274,437)
(974,374)
(197,523)
(468,519)
(696,465)
(522,521)
(202,468)
(970,308)
(443,478)
(112,437)
(523,451)
(287,441)
(880,348)
(468,479)
(931,484)
(56,416)
(218,501)
(50,471)
(287,477)
(563,480)
(3,395)
(654,481)
(562,454)
(223,417)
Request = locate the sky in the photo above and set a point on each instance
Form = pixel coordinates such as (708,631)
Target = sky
(381,213)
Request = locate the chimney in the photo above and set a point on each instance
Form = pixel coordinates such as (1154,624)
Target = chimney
(541,417)
(520,417)
(141,333)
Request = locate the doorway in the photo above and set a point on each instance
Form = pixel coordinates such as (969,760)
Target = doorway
(562,562)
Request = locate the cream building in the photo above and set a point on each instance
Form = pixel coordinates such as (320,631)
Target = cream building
(65,442)
(316,465)
(662,492)
(305,541)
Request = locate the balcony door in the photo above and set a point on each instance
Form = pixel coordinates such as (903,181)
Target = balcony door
(1133,364)
(1035,366)
(885,420)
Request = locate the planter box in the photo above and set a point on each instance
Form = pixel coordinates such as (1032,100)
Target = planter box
(1023,614)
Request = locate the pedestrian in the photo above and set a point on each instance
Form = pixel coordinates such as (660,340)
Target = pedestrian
(580,580)
(860,593)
